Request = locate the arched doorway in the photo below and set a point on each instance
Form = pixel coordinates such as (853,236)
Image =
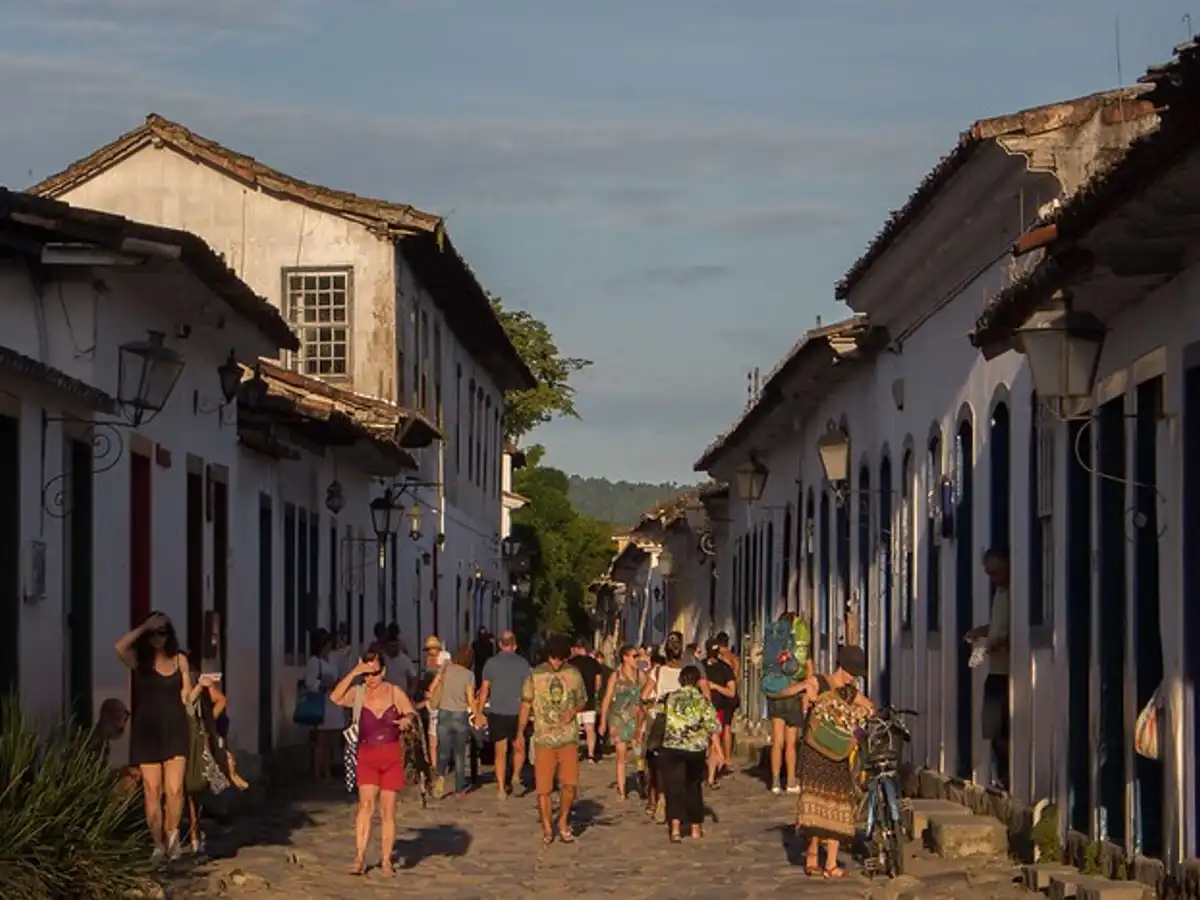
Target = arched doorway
(964,575)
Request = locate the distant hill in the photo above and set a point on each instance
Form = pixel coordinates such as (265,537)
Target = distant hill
(619,503)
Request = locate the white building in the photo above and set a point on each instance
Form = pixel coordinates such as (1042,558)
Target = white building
(383,305)
(117,479)
(945,452)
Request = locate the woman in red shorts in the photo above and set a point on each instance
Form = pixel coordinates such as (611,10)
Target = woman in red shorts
(386,712)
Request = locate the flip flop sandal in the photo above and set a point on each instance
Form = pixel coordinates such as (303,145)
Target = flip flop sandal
(834,873)
(567,837)
(812,866)
(676,839)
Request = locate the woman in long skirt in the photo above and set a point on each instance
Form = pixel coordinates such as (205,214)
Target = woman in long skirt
(828,793)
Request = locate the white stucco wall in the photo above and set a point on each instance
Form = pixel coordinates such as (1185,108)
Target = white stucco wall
(88,349)
(396,325)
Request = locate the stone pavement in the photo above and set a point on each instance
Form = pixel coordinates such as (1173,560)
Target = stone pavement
(476,846)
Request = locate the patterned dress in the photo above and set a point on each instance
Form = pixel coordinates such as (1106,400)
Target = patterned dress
(828,791)
(622,709)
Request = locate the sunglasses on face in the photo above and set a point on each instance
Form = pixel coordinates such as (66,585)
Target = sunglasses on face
(374,674)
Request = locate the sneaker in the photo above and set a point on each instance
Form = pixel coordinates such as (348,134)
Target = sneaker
(158,856)
(174,848)
(793,788)
(776,789)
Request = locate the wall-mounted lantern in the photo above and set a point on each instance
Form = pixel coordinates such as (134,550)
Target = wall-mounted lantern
(666,563)
(834,449)
(147,371)
(335,497)
(414,521)
(1063,348)
(750,479)
(383,521)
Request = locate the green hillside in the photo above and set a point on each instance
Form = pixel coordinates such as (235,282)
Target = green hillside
(621,502)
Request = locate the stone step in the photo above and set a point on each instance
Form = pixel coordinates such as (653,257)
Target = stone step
(958,835)
(1037,877)
(1086,887)
(915,814)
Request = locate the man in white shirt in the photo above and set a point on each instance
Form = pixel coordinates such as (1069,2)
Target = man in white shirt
(995,686)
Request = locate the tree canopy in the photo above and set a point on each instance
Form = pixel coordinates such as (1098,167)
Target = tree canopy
(554,395)
(568,552)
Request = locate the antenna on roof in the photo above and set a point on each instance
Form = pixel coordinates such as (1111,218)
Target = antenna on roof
(1117,34)
(1187,25)
(818,320)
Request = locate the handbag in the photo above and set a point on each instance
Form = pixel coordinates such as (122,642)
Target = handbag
(656,734)
(350,753)
(202,772)
(831,727)
(1145,729)
(310,706)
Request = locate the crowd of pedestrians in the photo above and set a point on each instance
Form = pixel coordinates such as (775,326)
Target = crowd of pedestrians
(378,719)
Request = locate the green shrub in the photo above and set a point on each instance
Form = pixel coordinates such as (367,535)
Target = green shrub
(1046,837)
(1091,859)
(64,830)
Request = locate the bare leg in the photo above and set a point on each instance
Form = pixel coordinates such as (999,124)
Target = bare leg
(832,869)
(238,781)
(622,749)
(387,830)
(500,748)
(544,813)
(367,795)
(778,730)
(790,736)
(589,737)
(173,773)
(566,799)
(518,764)
(727,745)
(152,798)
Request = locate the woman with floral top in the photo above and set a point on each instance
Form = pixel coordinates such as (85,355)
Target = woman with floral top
(691,733)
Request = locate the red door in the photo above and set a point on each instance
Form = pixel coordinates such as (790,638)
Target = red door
(139,540)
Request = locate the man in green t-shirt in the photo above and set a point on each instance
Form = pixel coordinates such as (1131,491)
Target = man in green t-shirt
(555,694)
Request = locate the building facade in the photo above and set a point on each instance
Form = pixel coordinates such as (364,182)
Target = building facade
(383,306)
(939,452)
(121,359)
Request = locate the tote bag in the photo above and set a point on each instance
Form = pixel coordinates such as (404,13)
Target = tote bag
(1145,729)
(350,754)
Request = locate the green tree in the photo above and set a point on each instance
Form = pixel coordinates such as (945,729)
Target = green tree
(568,551)
(554,395)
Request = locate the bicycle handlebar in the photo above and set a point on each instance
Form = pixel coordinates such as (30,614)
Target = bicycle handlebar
(888,711)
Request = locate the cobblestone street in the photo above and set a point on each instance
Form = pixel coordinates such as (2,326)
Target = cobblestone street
(479,847)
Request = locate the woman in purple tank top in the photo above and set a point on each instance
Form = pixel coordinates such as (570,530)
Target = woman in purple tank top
(386,712)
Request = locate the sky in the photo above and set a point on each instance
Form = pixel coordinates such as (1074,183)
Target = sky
(673,186)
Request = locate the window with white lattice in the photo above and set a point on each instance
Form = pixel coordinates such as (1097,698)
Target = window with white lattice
(317,306)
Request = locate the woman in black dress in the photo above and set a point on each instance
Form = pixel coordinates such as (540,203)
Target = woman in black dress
(159,736)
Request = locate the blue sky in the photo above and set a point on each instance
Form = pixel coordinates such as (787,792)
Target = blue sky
(672,185)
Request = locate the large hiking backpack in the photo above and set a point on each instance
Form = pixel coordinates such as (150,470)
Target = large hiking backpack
(779,663)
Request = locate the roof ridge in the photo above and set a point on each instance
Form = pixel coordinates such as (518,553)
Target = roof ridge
(239,165)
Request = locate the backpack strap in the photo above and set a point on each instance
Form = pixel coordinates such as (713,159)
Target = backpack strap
(359,693)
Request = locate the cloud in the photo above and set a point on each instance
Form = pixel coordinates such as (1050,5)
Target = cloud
(668,276)
(573,166)
(130,22)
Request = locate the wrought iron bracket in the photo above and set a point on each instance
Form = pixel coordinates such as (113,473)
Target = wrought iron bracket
(108,446)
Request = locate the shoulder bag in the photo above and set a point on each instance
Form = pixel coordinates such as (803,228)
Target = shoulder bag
(350,754)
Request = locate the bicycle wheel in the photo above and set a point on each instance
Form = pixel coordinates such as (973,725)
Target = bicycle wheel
(893,849)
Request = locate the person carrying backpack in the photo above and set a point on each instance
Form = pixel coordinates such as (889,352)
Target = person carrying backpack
(786,663)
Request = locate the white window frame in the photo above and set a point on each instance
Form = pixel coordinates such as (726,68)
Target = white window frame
(296,308)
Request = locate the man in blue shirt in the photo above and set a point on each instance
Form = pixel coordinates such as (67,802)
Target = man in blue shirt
(499,698)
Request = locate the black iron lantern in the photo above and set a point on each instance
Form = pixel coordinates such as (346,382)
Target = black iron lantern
(382,520)
(335,497)
(1063,349)
(146,375)
(230,374)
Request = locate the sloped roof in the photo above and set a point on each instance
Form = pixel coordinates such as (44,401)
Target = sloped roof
(420,236)
(43,220)
(844,339)
(1028,121)
(1174,90)
(15,363)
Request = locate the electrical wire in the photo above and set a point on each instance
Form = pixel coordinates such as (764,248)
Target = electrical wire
(1130,512)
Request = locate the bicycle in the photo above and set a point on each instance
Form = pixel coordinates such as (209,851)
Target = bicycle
(881,743)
